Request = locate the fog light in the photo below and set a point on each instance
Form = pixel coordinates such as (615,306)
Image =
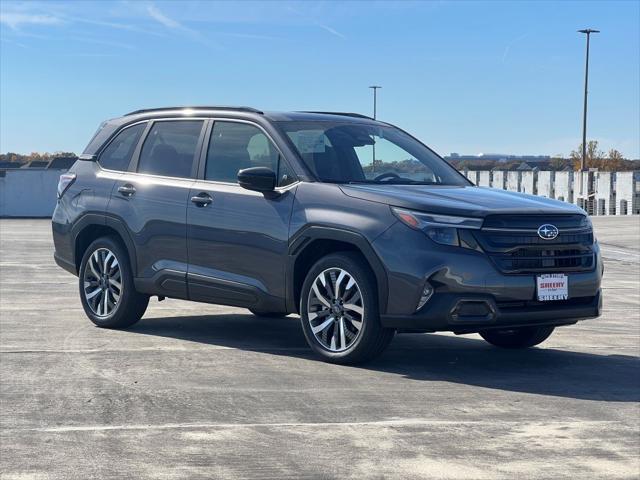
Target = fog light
(426,295)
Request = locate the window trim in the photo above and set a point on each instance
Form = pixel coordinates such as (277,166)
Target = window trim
(135,159)
(116,135)
(205,151)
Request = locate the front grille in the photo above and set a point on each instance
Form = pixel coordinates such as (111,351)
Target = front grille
(513,244)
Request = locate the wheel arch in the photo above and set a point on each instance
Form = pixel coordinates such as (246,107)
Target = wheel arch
(92,227)
(313,243)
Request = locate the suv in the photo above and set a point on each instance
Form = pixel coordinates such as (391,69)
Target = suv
(350,222)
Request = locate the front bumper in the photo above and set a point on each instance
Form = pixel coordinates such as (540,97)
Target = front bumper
(472,313)
(470,294)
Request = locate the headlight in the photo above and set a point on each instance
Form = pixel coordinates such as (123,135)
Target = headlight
(441,229)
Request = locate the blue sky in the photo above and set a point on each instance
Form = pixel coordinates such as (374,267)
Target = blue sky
(465,77)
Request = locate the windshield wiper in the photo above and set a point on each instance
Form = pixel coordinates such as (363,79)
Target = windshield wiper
(393,182)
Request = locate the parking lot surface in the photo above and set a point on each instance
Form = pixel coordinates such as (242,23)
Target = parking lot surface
(202,391)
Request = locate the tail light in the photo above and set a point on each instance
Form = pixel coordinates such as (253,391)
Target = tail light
(66,180)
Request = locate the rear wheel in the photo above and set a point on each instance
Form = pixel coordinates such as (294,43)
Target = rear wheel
(523,337)
(106,286)
(339,310)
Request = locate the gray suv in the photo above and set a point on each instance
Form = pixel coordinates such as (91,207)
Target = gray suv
(350,222)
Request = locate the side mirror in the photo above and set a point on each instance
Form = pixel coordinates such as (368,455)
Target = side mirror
(259,179)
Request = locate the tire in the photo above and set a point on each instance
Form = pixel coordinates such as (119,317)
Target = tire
(347,327)
(123,306)
(259,313)
(523,337)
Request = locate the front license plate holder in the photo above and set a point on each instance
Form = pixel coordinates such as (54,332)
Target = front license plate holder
(552,287)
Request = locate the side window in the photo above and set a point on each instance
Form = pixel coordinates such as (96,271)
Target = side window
(234,146)
(169,149)
(118,153)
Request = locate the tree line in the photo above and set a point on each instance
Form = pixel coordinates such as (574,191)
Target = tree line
(33,156)
(611,161)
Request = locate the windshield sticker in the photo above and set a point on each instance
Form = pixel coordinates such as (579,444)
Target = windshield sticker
(310,141)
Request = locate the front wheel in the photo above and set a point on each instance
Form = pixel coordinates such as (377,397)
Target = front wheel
(107,292)
(523,337)
(339,310)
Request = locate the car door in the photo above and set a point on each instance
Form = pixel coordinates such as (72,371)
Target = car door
(113,162)
(151,201)
(238,239)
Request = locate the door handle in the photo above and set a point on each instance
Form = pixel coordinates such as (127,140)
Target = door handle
(127,190)
(202,199)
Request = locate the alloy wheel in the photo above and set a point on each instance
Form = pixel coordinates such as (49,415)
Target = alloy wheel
(102,282)
(335,309)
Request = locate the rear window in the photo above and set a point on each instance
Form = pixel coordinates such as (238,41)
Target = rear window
(170,148)
(118,153)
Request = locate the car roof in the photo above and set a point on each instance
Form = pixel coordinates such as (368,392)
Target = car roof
(250,111)
(308,116)
(109,127)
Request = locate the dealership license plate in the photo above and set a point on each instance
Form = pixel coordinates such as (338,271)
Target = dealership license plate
(552,286)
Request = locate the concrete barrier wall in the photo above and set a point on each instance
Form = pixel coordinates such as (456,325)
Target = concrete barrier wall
(28,192)
(563,186)
(528,182)
(472,175)
(581,189)
(499,179)
(598,193)
(605,204)
(513,181)
(32,192)
(484,178)
(546,179)
(627,191)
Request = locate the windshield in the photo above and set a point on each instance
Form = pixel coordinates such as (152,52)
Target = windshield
(364,153)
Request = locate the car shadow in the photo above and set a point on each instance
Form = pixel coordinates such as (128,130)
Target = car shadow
(428,357)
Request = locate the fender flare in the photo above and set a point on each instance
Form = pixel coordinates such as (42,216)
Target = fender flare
(103,220)
(310,233)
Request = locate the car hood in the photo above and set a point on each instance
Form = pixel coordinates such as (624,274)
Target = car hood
(459,200)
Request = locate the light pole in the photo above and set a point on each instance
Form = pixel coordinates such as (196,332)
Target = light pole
(375,90)
(375,105)
(583,165)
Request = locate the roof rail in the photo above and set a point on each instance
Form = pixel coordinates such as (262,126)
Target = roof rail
(210,107)
(345,114)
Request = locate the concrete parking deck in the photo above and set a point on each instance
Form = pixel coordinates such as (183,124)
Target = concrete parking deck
(200,391)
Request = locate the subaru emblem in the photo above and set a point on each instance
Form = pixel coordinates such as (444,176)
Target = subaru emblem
(547,231)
